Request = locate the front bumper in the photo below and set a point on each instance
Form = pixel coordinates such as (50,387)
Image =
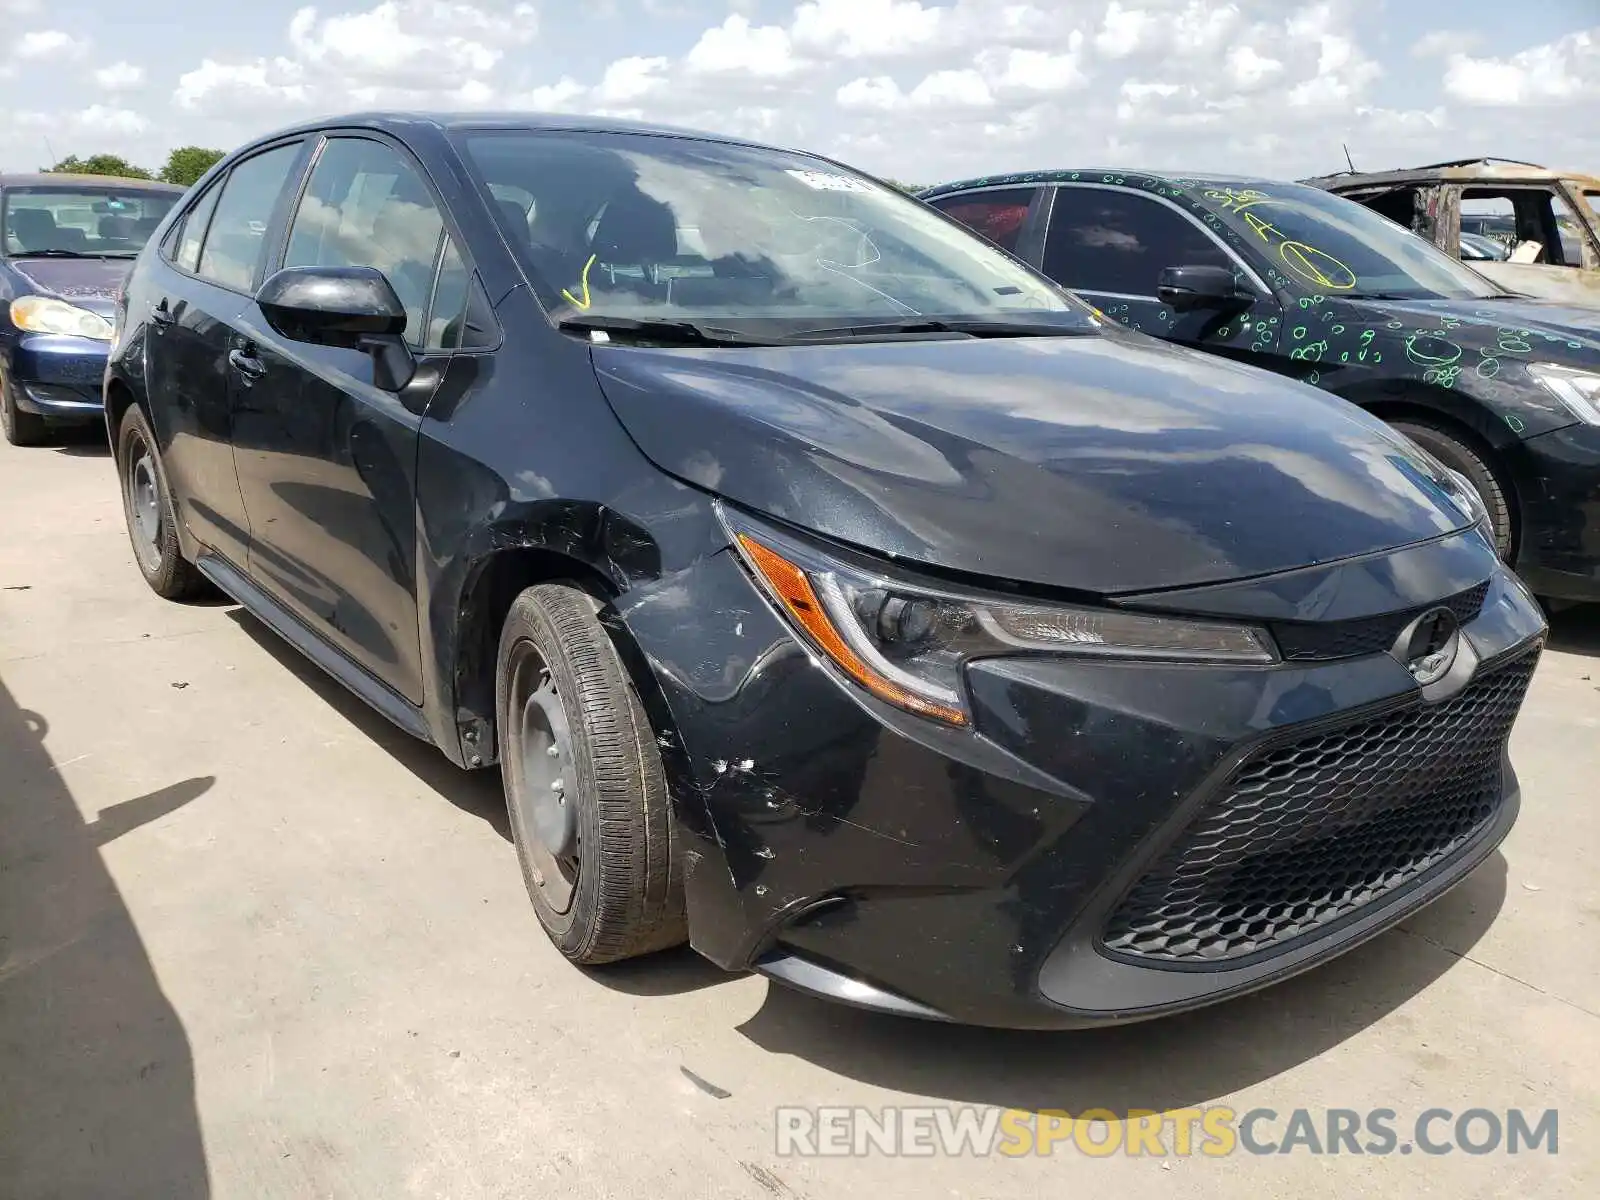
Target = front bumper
(851,850)
(58,377)
(1558,482)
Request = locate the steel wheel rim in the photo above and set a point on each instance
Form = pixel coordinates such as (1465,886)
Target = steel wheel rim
(144,506)
(543,778)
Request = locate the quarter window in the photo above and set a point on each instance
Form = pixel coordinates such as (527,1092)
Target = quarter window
(459,317)
(367,206)
(1106,241)
(192,231)
(998,216)
(237,236)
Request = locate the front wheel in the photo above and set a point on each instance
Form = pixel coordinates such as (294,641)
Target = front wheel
(587,795)
(1456,454)
(21,428)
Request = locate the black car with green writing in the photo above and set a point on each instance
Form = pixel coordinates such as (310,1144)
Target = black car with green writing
(1501,387)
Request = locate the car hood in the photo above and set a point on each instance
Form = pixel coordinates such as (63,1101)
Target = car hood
(89,283)
(1506,327)
(1100,464)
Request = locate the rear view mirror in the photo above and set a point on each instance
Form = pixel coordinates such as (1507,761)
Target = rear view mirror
(1189,288)
(350,307)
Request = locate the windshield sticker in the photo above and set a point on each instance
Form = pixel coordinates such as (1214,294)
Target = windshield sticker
(821,181)
(584,280)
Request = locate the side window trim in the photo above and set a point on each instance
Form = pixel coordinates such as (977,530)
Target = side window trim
(1250,273)
(219,185)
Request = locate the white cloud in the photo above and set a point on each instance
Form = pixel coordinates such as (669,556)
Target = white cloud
(631,78)
(221,85)
(952,89)
(95,121)
(876,94)
(1041,70)
(47,44)
(737,46)
(1123,30)
(1556,72)
(1439,43)
(119,76)
(866,28)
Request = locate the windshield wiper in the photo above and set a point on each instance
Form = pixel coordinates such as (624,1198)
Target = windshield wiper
(75,254)
(1385,296)
(675,333)
(915,325)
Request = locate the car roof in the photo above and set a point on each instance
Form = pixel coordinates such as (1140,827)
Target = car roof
(1466,170)
(399,122)
(1178,180)
(49,178)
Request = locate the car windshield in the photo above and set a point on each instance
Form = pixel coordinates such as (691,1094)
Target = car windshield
(91,222)
(1319,243)
(628,228)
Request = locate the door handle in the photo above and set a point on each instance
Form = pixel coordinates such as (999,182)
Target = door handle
(161,314)
(247,364)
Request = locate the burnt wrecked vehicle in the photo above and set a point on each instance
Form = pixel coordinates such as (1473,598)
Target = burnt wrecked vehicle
(834,592)
(1502,388)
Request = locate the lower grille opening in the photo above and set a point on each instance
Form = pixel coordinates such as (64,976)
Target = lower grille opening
(1304,835)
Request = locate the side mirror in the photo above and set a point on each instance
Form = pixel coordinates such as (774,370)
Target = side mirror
(354,308)
(1190,288)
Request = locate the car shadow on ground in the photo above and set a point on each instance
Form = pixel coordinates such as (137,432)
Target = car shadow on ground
(86,442)
(1174,1062)
(1576,630)
(97,1092)
(474,792)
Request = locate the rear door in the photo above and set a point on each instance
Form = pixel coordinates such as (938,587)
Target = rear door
(327,457)
(211,260)
(1110,245)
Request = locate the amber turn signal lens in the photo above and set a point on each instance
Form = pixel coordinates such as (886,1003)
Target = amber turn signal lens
(794,591)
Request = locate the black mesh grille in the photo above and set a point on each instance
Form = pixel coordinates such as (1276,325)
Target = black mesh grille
(1368,635)
(1306,834)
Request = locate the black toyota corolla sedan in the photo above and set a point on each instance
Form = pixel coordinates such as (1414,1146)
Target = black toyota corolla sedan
(69,240)
(1503,389)
(832,591)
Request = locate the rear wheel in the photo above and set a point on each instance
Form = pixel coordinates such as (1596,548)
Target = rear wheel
(1454,452)
(21,428)
(148,510)
(587,795)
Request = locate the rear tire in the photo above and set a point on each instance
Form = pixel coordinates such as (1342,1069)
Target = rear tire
(1448,447)
(21,428)
(587,795)
(148,510)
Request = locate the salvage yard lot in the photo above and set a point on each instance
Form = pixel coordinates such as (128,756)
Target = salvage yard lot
(256,943)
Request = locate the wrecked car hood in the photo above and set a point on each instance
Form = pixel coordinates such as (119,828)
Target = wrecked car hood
(89,283)
(1101,464)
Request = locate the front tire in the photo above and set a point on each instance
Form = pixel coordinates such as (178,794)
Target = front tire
(1453,452)
(21,428)
(585,788)
(147,507)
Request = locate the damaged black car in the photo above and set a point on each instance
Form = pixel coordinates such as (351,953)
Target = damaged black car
(833,592)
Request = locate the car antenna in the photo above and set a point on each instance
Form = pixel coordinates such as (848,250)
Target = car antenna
(1347,157)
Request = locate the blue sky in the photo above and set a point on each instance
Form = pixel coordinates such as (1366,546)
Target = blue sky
(918,89)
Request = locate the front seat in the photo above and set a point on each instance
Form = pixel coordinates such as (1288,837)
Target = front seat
(636,233)
(35,229)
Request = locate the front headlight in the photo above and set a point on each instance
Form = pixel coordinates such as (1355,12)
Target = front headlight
(45,314)
(1578,390)
(908,642)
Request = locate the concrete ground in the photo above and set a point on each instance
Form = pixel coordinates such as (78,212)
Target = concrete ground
(254,943)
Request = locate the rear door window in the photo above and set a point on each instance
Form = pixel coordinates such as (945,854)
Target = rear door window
(1113,242)
(235,243)
(192,230)
(998,215)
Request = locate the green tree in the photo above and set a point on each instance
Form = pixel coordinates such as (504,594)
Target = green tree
(187,163)
(99,164)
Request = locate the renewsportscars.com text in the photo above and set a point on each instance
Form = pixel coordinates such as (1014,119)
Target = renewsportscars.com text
(1214,1131)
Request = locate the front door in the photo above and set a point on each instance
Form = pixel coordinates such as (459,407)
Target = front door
(326,456)
(1110,244)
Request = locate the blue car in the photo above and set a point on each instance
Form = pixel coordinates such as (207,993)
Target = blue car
(69,242)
